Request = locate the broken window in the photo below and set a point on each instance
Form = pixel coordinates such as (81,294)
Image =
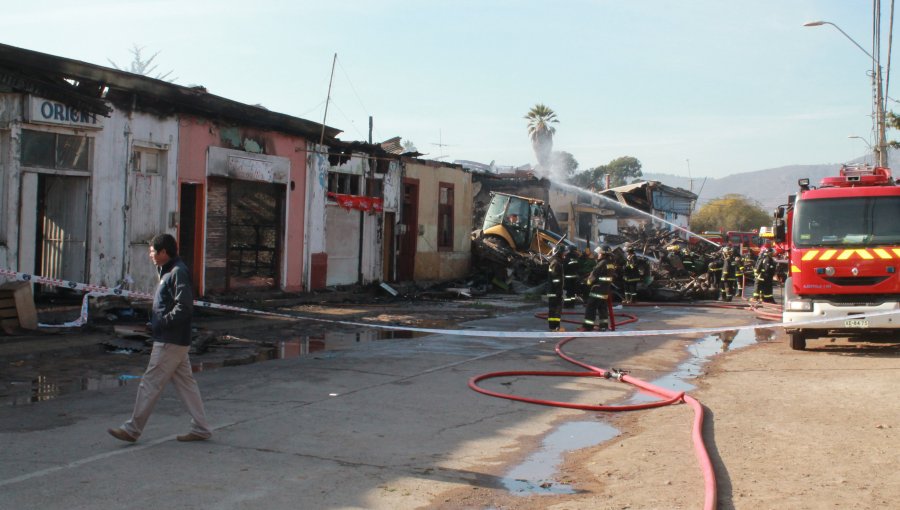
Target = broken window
(55,151)
(445,216)
(343,183)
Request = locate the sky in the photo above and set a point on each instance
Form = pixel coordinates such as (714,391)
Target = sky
(697,88)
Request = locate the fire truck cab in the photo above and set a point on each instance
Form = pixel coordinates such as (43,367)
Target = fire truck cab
(844,250)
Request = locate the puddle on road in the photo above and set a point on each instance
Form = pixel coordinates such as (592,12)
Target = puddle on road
(537,475)
(336,341)
(46,376)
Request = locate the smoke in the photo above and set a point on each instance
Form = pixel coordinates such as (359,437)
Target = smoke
(559,168)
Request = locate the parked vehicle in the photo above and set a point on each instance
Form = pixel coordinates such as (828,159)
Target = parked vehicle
(843,240)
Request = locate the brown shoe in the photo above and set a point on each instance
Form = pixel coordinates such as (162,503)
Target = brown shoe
(121,435)
(191,437)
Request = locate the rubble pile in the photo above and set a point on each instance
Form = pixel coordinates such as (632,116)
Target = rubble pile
(674,269)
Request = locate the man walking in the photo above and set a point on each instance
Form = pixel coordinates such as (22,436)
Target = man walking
(170,323)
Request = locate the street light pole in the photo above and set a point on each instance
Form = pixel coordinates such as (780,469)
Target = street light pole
(880,148)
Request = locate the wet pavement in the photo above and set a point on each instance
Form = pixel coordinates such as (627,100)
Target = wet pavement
(333,420)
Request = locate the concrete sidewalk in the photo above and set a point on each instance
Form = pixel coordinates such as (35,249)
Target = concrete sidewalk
(388,424)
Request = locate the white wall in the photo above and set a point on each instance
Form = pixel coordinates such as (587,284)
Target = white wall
(113,254)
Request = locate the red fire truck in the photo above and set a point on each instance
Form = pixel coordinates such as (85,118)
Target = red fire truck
(844,243)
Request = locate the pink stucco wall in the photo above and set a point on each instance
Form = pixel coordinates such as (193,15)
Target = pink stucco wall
(196,135)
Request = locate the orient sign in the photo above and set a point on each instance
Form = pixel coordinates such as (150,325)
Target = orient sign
(47,111)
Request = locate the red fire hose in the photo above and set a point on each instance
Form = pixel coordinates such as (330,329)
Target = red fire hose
(666,396)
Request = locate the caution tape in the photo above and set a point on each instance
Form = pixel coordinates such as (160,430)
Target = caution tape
(99,290)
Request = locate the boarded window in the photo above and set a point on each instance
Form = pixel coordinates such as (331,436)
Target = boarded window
(55,151)
(445,216)
(147,161)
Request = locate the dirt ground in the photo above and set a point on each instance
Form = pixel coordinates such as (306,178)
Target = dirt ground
(785,429)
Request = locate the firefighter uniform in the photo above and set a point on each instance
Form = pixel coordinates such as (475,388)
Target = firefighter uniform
(744,269)
(714,276)
(599,283)
(573,261)
(631,275)
(728,284)
(556,283)
(765,273)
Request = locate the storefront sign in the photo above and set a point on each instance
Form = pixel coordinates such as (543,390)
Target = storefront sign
(253,170)
(357,202)
(235,164)
(47,111)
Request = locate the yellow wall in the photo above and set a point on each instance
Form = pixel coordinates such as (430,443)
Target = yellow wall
(431,263)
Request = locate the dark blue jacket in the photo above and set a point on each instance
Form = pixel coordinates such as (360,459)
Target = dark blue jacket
(173,304)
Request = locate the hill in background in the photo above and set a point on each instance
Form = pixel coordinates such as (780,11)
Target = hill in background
(768,187)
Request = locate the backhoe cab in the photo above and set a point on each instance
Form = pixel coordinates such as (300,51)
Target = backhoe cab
(514,235)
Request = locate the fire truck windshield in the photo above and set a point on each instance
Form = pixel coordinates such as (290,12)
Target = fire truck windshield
(857,221)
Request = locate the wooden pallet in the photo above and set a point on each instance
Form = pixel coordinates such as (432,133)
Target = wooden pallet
(17,310)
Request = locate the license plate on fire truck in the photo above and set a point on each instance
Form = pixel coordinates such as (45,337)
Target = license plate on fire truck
(856,323)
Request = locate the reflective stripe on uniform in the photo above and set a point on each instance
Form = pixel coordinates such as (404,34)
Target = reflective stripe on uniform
(598,296)
(553,319)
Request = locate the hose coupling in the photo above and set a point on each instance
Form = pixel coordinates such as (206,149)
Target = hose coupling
(617,373)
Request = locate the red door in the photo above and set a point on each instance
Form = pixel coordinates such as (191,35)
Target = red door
(409,231)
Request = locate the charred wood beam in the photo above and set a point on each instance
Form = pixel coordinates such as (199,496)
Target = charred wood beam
(60,91)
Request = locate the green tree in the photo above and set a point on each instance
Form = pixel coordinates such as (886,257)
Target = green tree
(540,118)
(892,121)
(621,171)
(408,146)
(140,66)
(731,212)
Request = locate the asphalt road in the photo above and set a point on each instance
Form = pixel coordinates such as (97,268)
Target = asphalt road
(386,424)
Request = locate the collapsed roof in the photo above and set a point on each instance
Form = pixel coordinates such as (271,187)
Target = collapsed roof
(88,87)
(653,195)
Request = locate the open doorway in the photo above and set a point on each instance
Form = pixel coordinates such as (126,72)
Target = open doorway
(190,231)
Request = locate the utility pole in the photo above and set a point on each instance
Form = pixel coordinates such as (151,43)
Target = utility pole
(327,100)
(878,107)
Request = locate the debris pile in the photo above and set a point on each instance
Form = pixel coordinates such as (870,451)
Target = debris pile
(675,269)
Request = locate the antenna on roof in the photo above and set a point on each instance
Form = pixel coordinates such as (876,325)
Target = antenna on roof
(441,146)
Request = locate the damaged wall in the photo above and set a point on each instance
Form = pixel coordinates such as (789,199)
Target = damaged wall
(434,262)
(209,157)
(83,203)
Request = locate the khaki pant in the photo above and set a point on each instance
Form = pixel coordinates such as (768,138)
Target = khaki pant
(168,362)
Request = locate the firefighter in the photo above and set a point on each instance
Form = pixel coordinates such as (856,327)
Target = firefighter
(687,260)
(573,262)
(747,265)
(714,275)
(556,280)
(631,275)
(728,283)
(765,273)
(599,283)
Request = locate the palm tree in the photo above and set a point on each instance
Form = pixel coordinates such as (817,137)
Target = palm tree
(539,119)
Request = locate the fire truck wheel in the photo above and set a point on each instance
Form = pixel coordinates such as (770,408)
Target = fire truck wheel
(798,341)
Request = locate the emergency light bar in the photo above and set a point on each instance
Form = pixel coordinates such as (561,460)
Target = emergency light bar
(859,175)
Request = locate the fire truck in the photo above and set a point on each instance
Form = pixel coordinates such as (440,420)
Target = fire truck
(843,240)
